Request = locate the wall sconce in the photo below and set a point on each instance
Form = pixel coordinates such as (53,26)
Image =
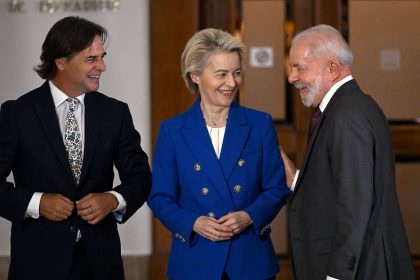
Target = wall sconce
(16,5)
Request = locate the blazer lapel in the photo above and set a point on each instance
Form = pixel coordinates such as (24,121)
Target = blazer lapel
(198,140)
(93,123)
(236,135)
(45,110)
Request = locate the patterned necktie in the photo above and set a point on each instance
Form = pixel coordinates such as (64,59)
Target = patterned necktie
(316,116)
(73,141)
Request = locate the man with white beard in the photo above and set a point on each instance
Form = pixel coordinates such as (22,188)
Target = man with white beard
(344,217)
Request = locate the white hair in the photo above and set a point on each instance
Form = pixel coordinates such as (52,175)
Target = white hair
(325,39)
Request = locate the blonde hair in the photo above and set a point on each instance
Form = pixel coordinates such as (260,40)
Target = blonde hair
(201,46)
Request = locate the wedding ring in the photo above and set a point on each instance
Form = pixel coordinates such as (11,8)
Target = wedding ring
(90,211)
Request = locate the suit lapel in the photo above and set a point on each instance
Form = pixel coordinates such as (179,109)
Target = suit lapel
(45,110)
(308,154)
(198,140)
(341,91)
(93,123)
(237,132)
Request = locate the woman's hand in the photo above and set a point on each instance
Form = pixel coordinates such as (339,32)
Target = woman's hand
(237,221)
(211,229)
(289,168)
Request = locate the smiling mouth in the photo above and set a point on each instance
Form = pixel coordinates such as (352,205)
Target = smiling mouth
(227,92)
(94,77)
(301,88)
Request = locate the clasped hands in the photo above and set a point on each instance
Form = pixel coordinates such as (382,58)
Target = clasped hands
(223,228)
(91,208)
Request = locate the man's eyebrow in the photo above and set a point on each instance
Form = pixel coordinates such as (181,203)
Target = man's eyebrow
(95,56)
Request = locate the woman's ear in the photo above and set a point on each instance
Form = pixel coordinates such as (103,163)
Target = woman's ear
(195,78)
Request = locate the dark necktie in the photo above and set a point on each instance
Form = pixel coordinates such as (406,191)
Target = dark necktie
(316,116)
(73,140)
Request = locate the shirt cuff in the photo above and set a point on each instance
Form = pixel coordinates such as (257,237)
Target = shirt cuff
(33,207)
(292,188)
(122,206)
(331,278)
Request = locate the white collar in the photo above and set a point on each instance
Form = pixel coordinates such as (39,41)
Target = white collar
(332,91)
(59,96)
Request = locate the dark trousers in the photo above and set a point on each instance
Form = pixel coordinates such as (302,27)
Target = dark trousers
(80,268)
(226,277)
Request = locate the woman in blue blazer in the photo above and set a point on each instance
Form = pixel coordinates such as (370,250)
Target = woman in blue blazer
(218,177)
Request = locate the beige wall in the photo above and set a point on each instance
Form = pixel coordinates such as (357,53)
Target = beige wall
(385,39)
(263,32)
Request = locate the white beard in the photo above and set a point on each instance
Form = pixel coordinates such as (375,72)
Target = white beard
(313,91)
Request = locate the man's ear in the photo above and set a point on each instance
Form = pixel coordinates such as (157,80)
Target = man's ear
(60,62)
(334,69)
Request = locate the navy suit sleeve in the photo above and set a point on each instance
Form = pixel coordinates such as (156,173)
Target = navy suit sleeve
(13,201)
(133,167)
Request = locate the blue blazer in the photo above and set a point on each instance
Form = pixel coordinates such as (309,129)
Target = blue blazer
(189,181)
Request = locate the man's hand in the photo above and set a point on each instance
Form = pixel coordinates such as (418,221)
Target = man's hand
(237,221)
(55,207)
(289,168)
(211,229)
(96,206)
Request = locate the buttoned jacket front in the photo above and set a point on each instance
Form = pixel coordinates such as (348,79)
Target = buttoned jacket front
(189,181)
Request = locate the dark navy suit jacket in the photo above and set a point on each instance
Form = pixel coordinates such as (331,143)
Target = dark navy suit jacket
(31,146)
